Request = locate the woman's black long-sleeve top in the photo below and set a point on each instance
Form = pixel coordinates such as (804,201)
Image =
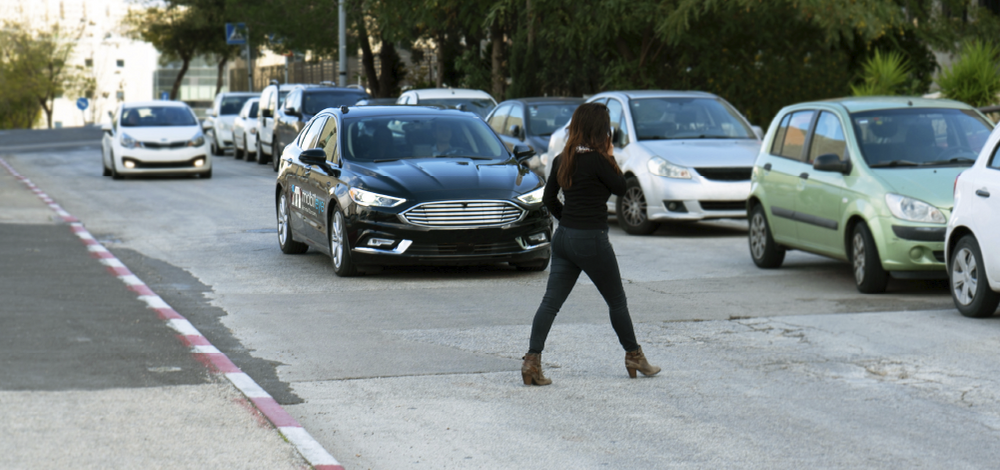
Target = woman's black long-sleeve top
(595,179)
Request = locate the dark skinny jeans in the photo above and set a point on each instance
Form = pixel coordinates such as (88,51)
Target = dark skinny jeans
(589,251)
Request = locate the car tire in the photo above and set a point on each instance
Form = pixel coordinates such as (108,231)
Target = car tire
(215,148)
(533,266)
(237,153)
(114,170)
(340,248)
(205,175)
(285,239)
(970,288)
(763,250)
(275,155)
(630,210)
(869,276)
(107,171)
(261,157)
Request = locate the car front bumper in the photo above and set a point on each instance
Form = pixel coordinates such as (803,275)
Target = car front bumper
(672,199)
(910,247)
(167,161)
(380,238)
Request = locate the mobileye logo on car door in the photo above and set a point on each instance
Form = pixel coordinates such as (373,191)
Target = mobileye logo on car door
(307,201)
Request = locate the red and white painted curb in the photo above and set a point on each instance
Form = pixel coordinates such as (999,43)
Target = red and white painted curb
(201,348)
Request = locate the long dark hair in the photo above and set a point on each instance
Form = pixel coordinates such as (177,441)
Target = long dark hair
(590,127)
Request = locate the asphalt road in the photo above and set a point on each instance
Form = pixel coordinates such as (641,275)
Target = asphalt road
(418,367)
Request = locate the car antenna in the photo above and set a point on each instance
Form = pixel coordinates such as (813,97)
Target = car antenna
(344,109)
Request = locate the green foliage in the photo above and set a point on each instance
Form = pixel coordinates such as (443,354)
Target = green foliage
(883,75)
(973,78)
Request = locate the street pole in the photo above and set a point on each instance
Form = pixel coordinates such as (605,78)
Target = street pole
(249,62)
(342,38)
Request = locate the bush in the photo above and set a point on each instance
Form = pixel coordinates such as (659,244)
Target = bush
(884,75)
(973,79)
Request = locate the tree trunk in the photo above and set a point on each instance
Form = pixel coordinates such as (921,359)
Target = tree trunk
(439,80)
(531,23)
(175,91)
(497,75)
(48,110)
(367,58)
(387,78)
(218,79)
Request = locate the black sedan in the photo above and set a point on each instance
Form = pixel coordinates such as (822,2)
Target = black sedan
(392,185)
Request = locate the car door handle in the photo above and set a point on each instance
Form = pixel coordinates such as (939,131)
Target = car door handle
(982,193)
(804,176)
(767,167)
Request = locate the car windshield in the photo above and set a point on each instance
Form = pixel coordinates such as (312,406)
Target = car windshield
(315,101)
(910,137)
(253,109)
(482,106)
(396,138)
(544,119)
(156,116)
(232,104)
(687,118)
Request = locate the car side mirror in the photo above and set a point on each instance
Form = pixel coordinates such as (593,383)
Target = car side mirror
(315,156)
(515,131)
(757,130)
(291,112)
(210,112)
(266,113)
(616,137)
(106,127)
(206,124)
(523,152)
(832,163)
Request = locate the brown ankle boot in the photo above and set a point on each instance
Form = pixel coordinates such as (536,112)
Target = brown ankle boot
(531,370)
(636,361)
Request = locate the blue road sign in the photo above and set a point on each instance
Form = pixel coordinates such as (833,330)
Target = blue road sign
(236,34)
(165,95)
(82,103)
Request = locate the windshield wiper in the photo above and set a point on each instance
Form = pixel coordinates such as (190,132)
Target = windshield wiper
(463,156)
(893,163)
(953,160)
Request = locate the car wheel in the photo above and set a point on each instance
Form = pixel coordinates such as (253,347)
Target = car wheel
(340,248)
(237,153)
(114,169)
(285,240)
(970,288)
(275,155)
(532,266)
(631,210)
(261,158)
(765,253)
(107,171)
(868,273)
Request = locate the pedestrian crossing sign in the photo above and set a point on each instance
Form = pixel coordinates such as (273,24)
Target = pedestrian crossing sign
(236,34)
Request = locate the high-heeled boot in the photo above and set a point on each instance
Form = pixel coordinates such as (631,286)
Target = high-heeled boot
(636,361)
(531,370)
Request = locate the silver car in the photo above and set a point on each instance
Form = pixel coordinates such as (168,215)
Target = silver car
(687,156)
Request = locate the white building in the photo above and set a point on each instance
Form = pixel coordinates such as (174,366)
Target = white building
(122,68)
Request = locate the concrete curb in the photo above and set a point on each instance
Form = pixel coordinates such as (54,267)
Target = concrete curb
(201,348)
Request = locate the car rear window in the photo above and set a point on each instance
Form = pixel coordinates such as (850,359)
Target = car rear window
(544,119)
(482,107)
(157,116)
(313,102)
(398,137)
(232,104)
(910,137)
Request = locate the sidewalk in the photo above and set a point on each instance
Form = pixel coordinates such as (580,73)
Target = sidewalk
(90,377)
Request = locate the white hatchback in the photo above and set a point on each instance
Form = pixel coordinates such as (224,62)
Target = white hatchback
(245,131)
(155,137)
(973,260)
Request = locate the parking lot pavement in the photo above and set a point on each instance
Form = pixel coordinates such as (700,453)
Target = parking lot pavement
(91,378)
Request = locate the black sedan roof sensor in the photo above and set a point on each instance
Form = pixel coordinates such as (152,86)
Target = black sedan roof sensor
(344,109)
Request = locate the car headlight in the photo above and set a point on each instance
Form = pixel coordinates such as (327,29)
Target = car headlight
(913,210)
(533,197)
(370,199)
(128,142)
(197,141)
(661,167)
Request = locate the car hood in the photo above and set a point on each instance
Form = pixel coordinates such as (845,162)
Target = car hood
(161,134)
(932,185)
(705,152)
(448,178)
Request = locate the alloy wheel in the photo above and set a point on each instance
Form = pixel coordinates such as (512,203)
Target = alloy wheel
(758,235)
(283,220)
(337,239)
(859,258)
(634,205)
(965,276)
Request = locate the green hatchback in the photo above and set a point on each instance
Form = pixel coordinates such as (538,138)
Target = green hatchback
(864,180)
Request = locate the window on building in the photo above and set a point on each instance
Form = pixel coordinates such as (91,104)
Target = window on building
(120,95)
(88,62)
(120,63)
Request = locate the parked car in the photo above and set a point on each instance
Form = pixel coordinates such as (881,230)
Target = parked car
(272,101)
(220,119)
(865,180)
(245,130)
(531,121)
(974,260)
(686,156)
(387,185)
(155,137)
(302,103)
(476,101)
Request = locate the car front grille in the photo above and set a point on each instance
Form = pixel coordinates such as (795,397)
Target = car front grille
(464,248)
(726,174)
(163,145)
(457,214)
(723,205)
